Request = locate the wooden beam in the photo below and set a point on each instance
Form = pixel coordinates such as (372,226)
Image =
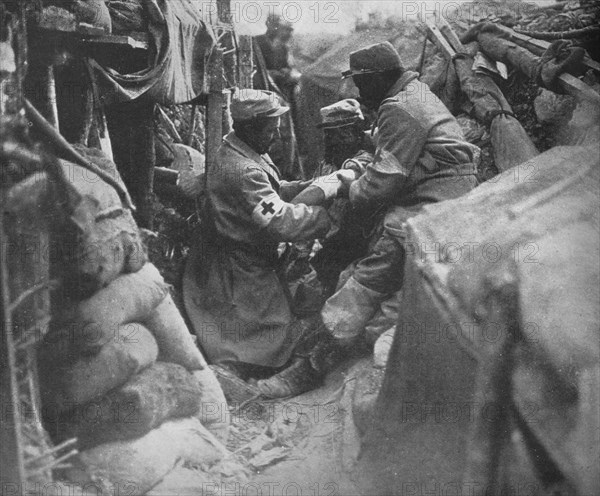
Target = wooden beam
(246,62)
(540,46)
(438,38)
(450,35)
(111,39)
(579,89)
(171,129)
(214,110)
(224,11)
(11,446)
(51,97)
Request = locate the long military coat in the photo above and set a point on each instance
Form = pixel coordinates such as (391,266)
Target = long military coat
(233,290)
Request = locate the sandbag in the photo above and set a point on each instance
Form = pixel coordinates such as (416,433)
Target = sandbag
(191,166)
(161,392)
(67,384)
(129,298)
(104,234)
(511,144)
(214,410)
(175,343)
(143,462)
(107,249)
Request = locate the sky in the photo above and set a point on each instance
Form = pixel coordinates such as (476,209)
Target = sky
(334,16)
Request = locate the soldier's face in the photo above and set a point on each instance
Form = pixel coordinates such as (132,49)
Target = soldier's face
(266,134)
(343,141)
(370,89)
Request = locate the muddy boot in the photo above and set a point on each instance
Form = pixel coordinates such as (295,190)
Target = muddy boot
(329,352)
(558,58)
(349,310)
(233,384)
(296,379)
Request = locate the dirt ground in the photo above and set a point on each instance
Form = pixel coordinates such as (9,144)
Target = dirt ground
(303,445)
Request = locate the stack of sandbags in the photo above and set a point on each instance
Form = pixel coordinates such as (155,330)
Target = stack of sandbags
(119,369)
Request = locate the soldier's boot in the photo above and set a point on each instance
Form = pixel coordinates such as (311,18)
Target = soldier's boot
(347,312)
(296,379)
(307,371)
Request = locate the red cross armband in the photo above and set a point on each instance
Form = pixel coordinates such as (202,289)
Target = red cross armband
(266,209)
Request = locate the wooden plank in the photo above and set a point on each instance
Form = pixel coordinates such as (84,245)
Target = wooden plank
(224,12)
(450,35)
(438,38)
(172,130)
(579,89)
(246,62)
(540,46)
(110,39)
(214,110)
(11,446)
(51,97)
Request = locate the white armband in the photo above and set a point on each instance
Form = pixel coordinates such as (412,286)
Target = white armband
(266,209)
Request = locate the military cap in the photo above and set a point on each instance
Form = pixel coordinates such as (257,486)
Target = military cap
(339,114)
(276,21)
(373,59)
(248,104)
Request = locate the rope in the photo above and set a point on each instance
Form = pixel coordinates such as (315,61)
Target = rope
(71,154)
(492,114)
(561,35)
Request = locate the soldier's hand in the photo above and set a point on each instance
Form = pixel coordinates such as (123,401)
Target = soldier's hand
(346,178)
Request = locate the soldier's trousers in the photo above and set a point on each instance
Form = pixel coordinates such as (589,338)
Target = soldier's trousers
(375,278)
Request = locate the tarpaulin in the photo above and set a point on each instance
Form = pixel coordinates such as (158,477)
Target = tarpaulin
(321,83)
(180,44)
(493,376)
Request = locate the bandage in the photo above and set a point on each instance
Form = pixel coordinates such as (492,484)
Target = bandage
(328,184)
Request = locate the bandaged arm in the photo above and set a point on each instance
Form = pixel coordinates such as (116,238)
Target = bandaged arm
(323,188)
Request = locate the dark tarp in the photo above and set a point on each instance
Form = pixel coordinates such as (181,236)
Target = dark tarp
(321,82)
(180,43)
(493,378)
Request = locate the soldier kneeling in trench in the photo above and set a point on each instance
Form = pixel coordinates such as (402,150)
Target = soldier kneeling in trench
(238,302)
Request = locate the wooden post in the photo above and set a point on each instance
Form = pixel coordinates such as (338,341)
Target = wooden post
(246,62)
(132,131)
(193,117)
(11,447)
(224,11)
(214,110)
(51,96)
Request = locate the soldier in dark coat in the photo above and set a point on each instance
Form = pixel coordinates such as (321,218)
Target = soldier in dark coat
(421,157)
